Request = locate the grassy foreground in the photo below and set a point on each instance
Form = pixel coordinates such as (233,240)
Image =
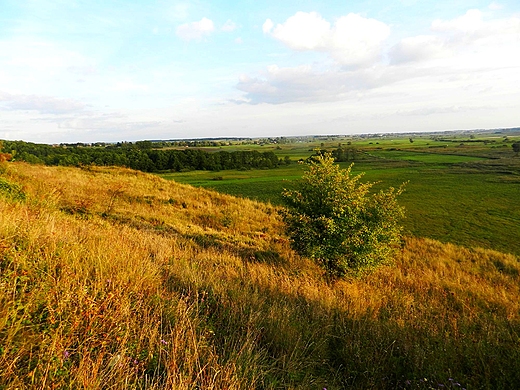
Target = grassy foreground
(114,279)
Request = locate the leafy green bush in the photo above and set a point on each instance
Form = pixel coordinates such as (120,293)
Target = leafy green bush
(11,190)
(333,218)
(516,147)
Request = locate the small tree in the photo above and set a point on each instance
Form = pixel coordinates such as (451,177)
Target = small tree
(332,218)
(4,156)
(516,148)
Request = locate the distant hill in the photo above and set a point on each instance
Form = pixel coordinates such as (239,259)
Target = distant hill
(112,278)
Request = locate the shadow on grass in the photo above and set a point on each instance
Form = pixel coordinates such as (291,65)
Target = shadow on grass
(306,345)
(202,240)
(248,254)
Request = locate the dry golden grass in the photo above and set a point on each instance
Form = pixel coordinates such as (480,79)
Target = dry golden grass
(116,279)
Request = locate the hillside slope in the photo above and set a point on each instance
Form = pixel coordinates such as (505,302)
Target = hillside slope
(115,279)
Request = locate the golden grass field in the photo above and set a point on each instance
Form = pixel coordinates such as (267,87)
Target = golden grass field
(116,279)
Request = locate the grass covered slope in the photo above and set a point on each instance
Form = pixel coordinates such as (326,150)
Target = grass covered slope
(112,278)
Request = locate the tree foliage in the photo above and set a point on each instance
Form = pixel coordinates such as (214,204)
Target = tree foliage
(333,218)
(142,156)
(4,156)
(516,147)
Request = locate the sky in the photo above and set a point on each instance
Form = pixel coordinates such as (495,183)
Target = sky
(127,70)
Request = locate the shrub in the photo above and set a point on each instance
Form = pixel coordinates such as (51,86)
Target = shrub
(332,217)
(11,190)
(516,147)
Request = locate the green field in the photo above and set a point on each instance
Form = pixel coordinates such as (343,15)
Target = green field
(458,191)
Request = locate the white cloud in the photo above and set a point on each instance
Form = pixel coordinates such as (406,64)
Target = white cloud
(41,104)
(425,111)
(472,27)
(494,6)
(357,40)
(465,36)
(305,84)
(303,31)
(469,57)
(195,30)
(353,40)
(229,26)
(421,47)
(103,121)
(39,67)
(267,26)
(468,23)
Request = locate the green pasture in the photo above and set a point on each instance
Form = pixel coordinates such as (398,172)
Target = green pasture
(478,145)
(463,199)
(434,158)
(467,208)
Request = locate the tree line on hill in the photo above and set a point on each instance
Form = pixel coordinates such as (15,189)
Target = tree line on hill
(140,156)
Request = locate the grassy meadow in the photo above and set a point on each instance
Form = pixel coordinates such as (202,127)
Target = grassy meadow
(116,279)
(461,190)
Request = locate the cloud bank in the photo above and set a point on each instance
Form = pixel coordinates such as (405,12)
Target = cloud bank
(468,46)
(352,40)
(41,104)
(195,30)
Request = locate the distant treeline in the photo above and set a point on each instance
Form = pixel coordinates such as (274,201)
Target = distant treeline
(140,156)
(343,154)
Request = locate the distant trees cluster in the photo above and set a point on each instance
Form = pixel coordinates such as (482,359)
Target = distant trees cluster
(341,154)
(141,156)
